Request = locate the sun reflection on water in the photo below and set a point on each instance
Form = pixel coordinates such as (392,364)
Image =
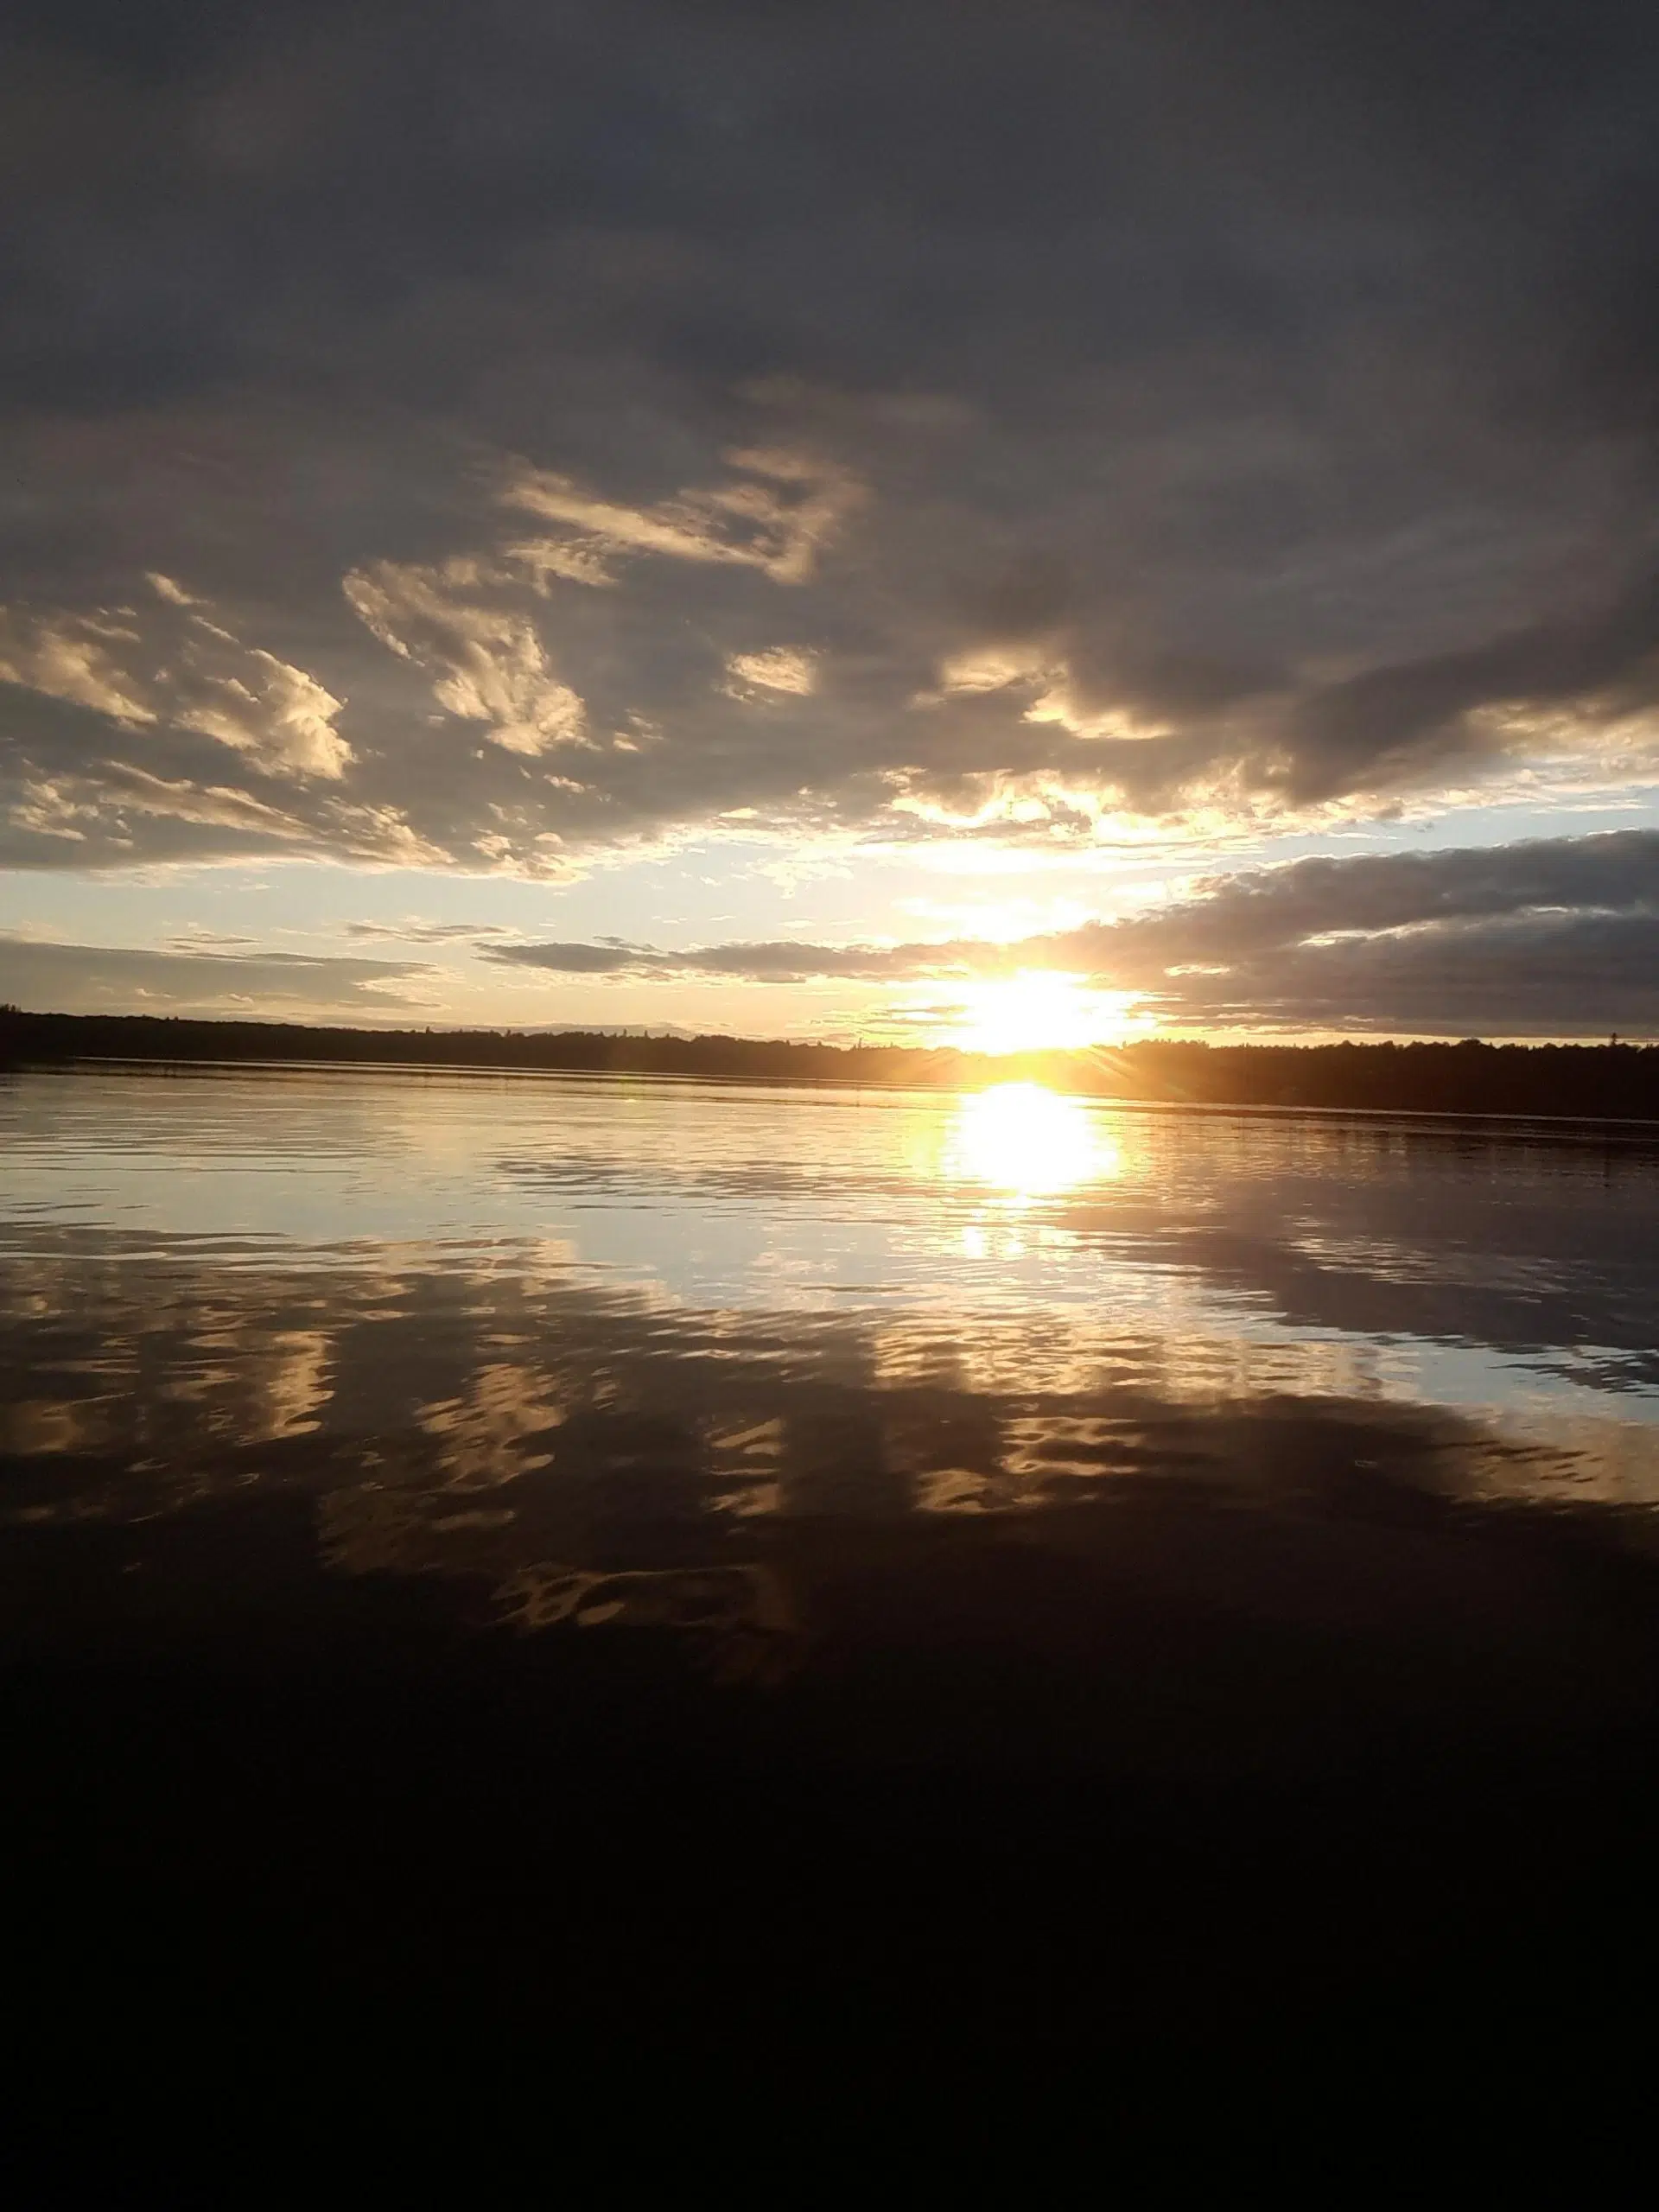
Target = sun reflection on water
(1027,1142)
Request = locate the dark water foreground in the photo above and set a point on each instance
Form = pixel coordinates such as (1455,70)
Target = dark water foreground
(938,1575)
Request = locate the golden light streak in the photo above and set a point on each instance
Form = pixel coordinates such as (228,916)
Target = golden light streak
(1038,1010)
(1027,1142)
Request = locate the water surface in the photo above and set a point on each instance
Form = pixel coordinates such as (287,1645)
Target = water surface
(594,1342)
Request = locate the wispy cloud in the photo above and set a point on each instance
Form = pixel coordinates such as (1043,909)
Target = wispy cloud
(118,979)
(413,930)
(487,663)
(165,660)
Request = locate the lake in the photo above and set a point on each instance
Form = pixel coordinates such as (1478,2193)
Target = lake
(533,1428)
(409,1288)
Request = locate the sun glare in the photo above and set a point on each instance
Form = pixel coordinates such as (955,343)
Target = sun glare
(1037,1010)
(1028,1142)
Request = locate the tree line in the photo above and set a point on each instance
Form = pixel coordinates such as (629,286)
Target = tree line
(1612,1081)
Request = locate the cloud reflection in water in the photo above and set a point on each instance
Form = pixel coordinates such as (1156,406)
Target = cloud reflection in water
(628,1350)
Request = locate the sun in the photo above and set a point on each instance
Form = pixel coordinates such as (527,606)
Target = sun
(1038,1010)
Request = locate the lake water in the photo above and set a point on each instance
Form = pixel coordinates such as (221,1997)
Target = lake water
(584,1339)
(617,1547)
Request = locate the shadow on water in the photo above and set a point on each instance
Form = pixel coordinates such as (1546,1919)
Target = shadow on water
(906,1599)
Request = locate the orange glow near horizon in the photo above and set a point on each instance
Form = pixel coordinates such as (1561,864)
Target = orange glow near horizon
(1038,1010)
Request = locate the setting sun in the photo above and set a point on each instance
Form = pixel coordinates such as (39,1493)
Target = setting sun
(1038,1010)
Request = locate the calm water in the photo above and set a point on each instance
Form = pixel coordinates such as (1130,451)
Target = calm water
(585,1338)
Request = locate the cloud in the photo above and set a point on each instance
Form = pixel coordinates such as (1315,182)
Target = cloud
(489,664)
(774,668)
(1606,662)
(550,434)
(110,979)
(776,516)
(169,661)
(125,813)
(1553,938)
(782,962)
(196,939)
(413,930)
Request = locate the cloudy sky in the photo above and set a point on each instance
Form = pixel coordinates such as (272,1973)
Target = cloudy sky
(949,517)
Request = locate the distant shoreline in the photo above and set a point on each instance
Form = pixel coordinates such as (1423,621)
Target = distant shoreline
(1562,1128)
(1611,1085)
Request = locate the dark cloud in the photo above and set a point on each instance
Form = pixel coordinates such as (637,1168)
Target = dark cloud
(1608,662)
(1555,938)
(47,977)
(554,427)
(586,959)
(750,964)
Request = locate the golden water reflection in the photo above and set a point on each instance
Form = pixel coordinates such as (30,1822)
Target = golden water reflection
(1029,1143)
(623,1357)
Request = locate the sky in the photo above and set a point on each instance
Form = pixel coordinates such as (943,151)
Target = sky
(1008,522)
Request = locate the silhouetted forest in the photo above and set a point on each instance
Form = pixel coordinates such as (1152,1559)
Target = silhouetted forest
(1603,1082)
